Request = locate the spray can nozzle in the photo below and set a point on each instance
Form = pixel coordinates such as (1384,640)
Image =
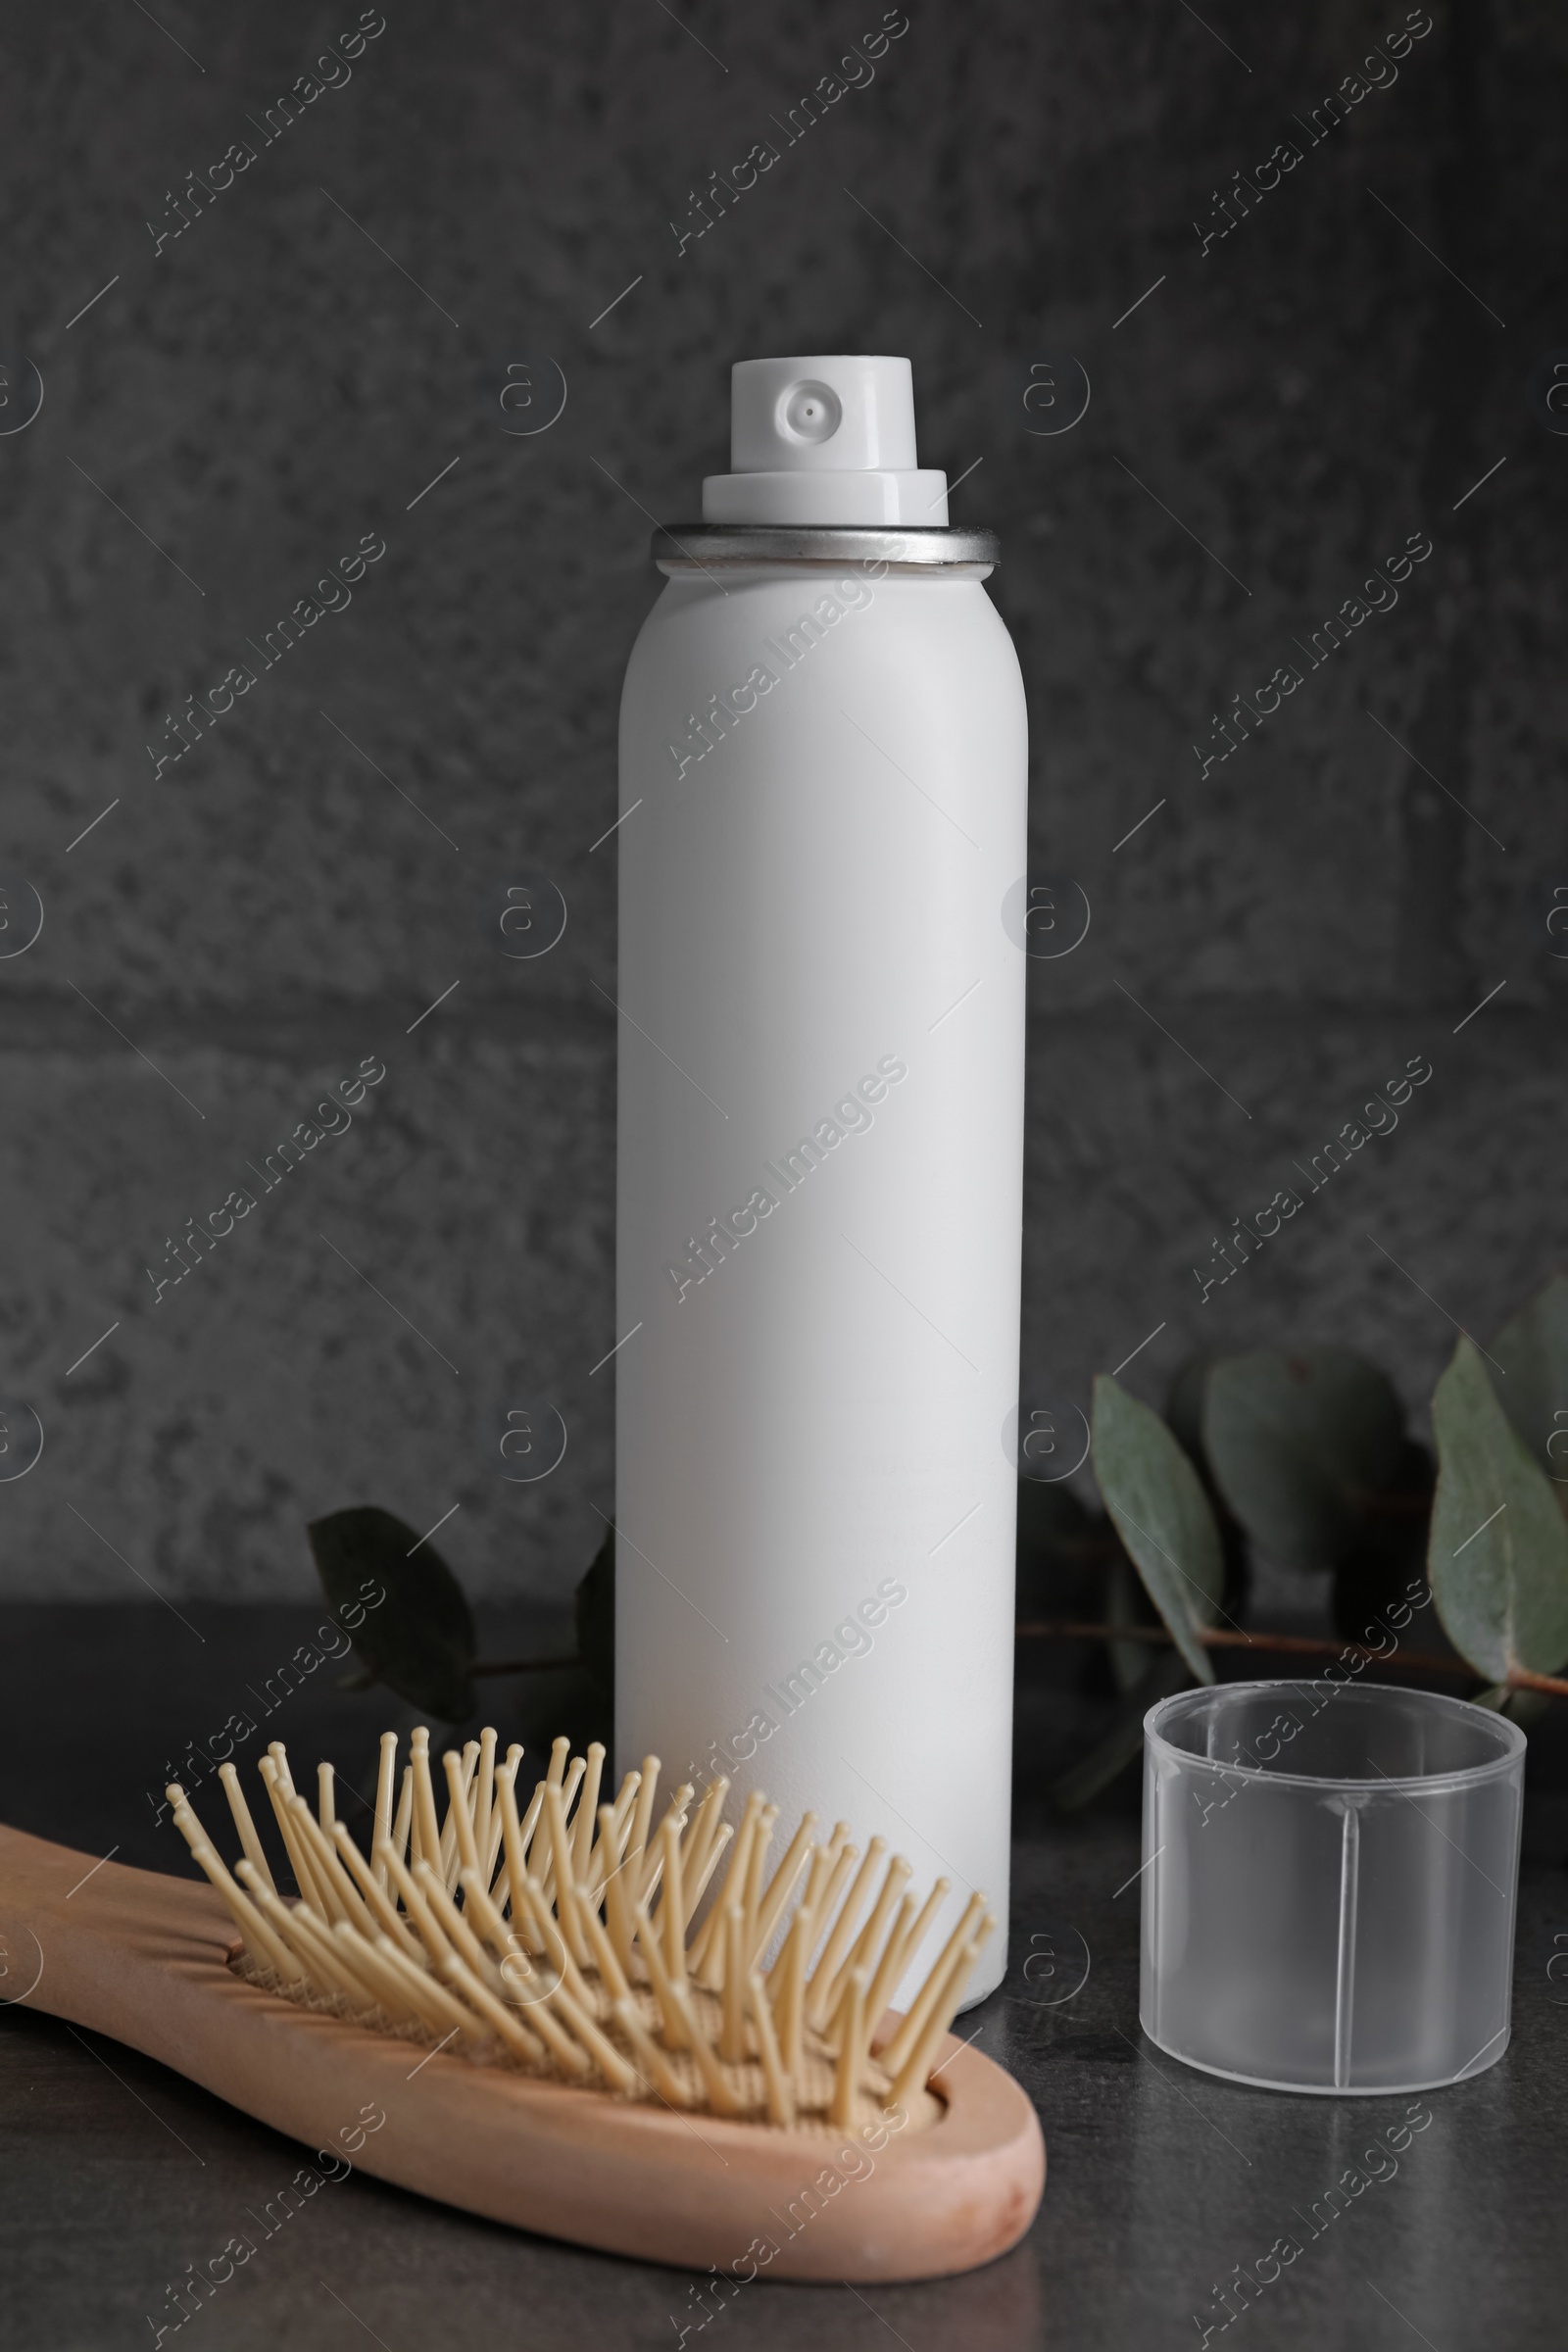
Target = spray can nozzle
(826,439)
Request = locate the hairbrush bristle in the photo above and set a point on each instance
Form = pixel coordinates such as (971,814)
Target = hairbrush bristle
(559,1942)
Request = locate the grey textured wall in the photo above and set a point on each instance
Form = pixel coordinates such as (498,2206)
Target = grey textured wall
(253,395)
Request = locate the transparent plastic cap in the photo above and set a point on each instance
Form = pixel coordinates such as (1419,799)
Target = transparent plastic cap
(824,439)
(1329,1882)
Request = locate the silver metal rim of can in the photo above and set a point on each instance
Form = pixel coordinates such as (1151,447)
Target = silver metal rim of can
(677,544)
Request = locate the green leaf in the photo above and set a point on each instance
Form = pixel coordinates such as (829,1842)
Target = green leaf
(1299,1441)
(1127,1603)
(418,1636)
(594,1606)
(1159,1510)
(1533,1351)
(1115,1749)
(1523,1707)
(1498,1553)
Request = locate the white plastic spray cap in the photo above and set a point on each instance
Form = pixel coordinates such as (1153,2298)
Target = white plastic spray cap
(827,439)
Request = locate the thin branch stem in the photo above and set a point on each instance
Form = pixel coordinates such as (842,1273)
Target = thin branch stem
(1302,1645)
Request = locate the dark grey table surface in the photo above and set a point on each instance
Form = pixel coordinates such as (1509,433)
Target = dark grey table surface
(114,2173)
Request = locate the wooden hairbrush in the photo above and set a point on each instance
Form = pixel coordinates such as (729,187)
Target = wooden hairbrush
(522,2001)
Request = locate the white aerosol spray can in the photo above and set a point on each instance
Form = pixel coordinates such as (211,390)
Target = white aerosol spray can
(821,1055)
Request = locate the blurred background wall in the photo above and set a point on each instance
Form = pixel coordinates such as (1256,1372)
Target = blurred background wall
(247,378)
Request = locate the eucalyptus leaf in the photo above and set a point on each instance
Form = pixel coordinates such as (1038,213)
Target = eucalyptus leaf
(1127,1603)
(1523,1707)
(1498,1560)
(1300,1442)
(1115,1749)
(1533,1351)
(1184,1410)
(1158,1508)
(417,1636)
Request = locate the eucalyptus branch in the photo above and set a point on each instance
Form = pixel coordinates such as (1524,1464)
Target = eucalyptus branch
(1302,1645)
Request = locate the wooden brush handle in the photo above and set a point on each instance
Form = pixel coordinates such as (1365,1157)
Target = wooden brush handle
(142,1957)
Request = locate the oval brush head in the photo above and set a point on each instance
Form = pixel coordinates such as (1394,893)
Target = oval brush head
(558,1942)
(521,2013)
